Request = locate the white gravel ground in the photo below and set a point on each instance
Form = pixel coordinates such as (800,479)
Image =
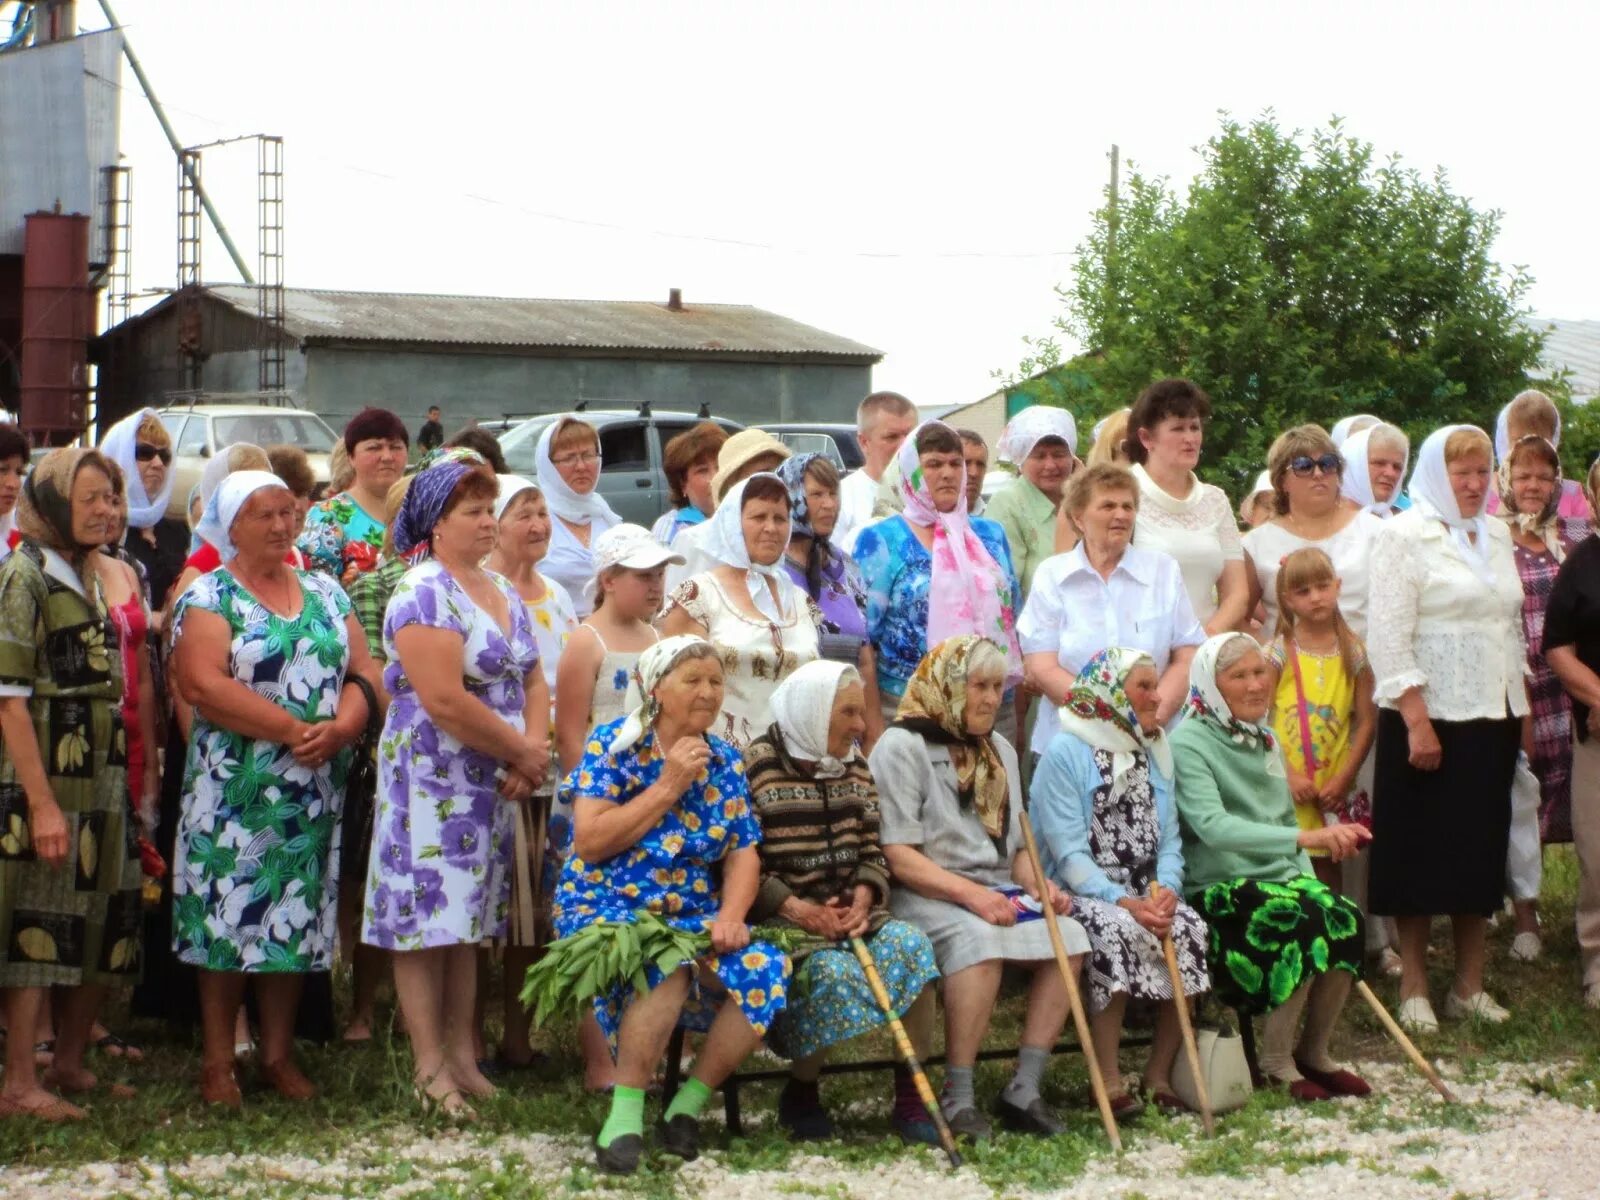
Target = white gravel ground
(1517,1143)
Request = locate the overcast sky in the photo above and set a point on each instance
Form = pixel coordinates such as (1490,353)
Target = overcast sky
(910,175)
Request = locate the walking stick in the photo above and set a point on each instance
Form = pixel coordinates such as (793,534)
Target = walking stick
(1181,1003)
(1080,1020)
(1404,1042)
(902,1041)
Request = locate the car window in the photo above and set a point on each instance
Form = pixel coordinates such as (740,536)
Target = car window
(813,443)
(308,432)
(625,446)
(173,423)
(193,440)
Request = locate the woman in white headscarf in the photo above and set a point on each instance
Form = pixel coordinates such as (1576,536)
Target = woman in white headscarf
(1447,649)
(1346,428)
(567,470)
(266,656)
(764,626)
(141,446)
(1375,460)
(823,872)
(1042,442)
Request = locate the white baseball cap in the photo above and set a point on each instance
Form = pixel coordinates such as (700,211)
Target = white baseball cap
(628,546)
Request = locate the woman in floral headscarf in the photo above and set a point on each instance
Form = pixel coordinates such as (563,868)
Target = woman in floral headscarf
(69,875)
(468,729)
(1278,935)
(1108,830)
(933,572)
(950,800)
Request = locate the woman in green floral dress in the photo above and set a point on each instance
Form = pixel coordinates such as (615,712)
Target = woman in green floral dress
(69,873)
(265,653)
(344,533)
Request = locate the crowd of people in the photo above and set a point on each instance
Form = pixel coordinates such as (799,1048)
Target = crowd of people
(449,711)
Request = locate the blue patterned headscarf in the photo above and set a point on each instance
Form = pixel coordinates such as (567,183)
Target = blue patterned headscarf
(424,504)
(821,552)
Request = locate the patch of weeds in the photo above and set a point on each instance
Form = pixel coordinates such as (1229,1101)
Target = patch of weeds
(1430,1175)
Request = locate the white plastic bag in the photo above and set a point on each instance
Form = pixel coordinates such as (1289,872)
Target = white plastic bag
(1524,853)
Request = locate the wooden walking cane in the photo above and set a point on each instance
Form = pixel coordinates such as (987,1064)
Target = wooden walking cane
(1181,1003)
(1080,1020)
(902,1041)
(1405,1043)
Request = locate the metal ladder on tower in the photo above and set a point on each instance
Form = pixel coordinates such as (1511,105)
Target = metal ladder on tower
(269,269)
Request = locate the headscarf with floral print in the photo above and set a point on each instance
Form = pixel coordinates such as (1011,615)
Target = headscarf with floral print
(935,708)
(422,508)
(1099,713)
(44,509)
(1546,523)
(969,591)
(1206,702)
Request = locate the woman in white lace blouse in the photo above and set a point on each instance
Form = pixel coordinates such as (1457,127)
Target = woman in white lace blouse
(1179,515)
(1447,649)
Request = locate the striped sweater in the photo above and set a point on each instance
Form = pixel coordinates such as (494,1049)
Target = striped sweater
(819,837)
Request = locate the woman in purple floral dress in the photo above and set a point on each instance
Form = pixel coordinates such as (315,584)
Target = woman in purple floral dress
(468,730)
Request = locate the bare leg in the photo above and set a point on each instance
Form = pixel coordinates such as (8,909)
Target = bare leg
(419,982)
(460,1020)
(599,1071)
(1413,955)
(1164,1049)
(20,1085)
(368,966)
(221,1001)
(1527,915)
(1469,942)
(78,1008)
(1105,1027)
(807,1069)
(647,1027)
(969,997)
(919,1020)
(728,1043)
(279,997)
(1048,1005)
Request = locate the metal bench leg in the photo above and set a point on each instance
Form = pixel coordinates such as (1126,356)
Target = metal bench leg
(730,1105)
(669,1087)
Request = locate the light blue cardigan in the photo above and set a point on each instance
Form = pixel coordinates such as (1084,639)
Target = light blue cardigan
(1061,806)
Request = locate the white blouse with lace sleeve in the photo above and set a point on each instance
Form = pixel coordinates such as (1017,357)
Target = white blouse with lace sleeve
(1435,625)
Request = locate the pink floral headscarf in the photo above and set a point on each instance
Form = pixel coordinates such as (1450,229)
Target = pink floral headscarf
(970,592)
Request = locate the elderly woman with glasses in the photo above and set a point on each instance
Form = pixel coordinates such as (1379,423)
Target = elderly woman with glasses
(1306,472)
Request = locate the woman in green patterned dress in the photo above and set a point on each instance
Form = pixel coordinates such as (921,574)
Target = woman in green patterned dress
(265,654)
(69,873)
(1281,940)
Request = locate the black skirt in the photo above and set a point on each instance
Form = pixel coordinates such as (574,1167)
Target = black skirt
(1439,837)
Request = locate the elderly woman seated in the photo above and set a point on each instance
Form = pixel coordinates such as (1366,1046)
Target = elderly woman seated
(657,804)
(1278,935)
(951,802)
(823,872)
(1108,827)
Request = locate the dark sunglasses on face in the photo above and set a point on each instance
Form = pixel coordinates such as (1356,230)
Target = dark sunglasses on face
(145,452)
(1303,465)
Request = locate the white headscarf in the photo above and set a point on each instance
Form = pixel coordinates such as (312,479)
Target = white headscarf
(1502,432)
(654,665)
(224,506)
(724,542)
(1356,483)
(1340,433)
(1263,484)
(511,486)
(563,501)
(1207,703)
(1025,430)
(802,706)
(120,445)
(1431,495)
(218,469)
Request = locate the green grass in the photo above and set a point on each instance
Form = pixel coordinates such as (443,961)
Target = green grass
(367,1102)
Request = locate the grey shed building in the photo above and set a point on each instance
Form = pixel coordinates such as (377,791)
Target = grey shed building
(485,357)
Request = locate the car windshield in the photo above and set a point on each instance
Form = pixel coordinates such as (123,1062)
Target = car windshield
(305,430)
(814,443)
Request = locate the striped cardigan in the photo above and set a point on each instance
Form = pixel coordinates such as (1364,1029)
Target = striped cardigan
(819,837)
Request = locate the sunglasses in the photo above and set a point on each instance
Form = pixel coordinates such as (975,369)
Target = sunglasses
(144,453)
(1328,464)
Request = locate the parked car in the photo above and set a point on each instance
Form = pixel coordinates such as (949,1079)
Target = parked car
(838,442)
(199,432)
(632,478)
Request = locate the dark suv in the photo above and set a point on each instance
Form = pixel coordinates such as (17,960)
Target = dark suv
(632,477)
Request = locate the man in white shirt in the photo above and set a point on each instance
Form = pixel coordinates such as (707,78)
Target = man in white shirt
(883,421)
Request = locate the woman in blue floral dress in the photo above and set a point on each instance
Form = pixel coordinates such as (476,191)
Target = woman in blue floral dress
(344,533)
(658,802)
(466,737)
(263,652)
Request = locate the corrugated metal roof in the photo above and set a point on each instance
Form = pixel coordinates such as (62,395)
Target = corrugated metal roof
(506,321)
(1573,346)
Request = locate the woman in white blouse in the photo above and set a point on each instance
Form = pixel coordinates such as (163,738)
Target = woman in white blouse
(567,462)
(1447,650)
(1179,515)
(1102,593)
(1306,471)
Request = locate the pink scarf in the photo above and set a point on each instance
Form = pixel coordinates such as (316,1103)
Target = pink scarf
(969,593)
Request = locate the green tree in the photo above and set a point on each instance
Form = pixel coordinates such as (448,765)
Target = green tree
(1297,280)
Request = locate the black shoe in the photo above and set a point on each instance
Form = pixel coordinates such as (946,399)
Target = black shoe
(969,1122)
(1035,1118)
(622,1156)
(680,1137)
(800,1112)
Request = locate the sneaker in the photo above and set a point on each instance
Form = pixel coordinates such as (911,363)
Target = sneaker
(1480,1007)
(622,1156)
(969,1122)
(679,1137)
(1526,947)
(1416,1015)
(800,1112)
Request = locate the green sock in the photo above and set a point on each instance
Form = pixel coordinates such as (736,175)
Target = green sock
(626,1116)
(691,1098)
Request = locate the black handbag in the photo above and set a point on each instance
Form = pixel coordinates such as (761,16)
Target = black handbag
(360,793)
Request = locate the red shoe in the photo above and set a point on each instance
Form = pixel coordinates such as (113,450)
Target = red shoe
(1336,1082)
(1303,1090)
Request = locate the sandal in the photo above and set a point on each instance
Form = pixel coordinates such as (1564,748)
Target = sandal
(113,1046)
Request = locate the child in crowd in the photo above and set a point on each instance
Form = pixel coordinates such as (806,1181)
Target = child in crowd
(1322,712)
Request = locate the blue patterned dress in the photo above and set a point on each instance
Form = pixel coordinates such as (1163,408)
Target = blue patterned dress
(439,873)
(668,873)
